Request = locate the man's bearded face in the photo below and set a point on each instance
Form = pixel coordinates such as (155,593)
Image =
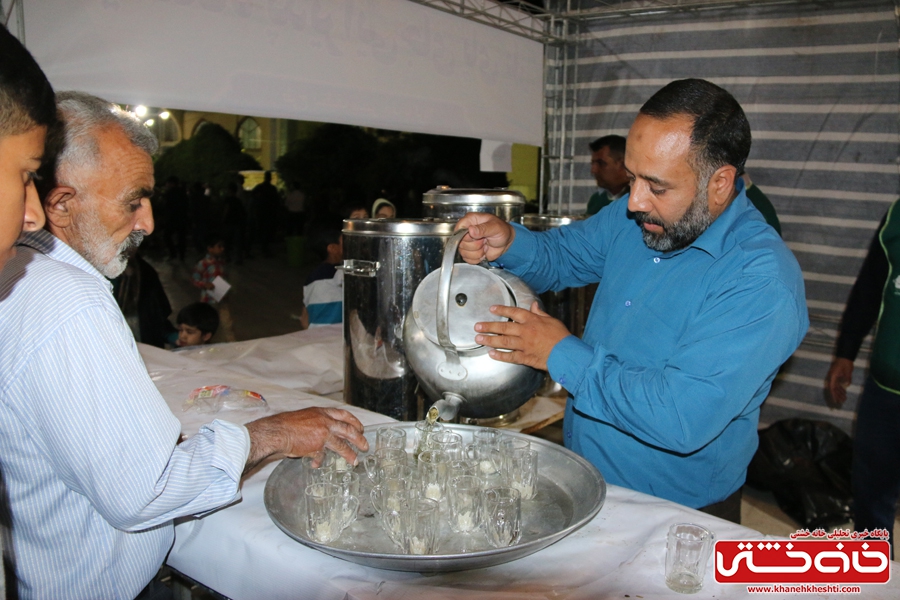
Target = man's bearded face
(110,214)
(103,252)
(682,232)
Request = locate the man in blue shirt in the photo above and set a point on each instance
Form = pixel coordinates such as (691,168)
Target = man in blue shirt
(699,304)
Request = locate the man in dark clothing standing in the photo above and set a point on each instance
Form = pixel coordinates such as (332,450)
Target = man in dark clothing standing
(608,168)
(200,213)
(145,306)
(176,212)
(266,204)
(874,300)
(234,221)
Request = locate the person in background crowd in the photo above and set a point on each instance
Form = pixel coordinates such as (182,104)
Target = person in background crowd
(608,169)
(875,474)
(27,110)
(762,203)
(323,294)
(89,447)
(266,206)
(246,198)
(197,324)
(295,203)
(357,212)
(144,303)
(234,224)
(699,303)
(176,211)
(201,210)
(383,209)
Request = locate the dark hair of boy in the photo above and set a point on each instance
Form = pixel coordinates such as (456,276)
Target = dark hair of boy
(200,315)
(26,97)
(213,238)
(355,207)
(322,239)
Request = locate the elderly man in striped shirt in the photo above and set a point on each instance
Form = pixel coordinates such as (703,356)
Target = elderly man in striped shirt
(88,444)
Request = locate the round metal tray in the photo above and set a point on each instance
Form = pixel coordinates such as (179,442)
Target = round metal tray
(570,493)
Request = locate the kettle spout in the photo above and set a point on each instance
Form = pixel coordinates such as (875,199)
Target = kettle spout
(448,406)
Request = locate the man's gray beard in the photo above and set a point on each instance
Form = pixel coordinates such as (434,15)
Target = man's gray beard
(682,232)
(96,245)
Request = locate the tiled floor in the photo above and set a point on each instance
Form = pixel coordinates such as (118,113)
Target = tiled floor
(267,294)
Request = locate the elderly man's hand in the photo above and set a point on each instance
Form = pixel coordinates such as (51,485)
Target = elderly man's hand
(489,237)
(836,382)
(306,432)
(531,335)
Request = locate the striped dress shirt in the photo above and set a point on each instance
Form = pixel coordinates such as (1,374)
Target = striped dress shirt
(87,444)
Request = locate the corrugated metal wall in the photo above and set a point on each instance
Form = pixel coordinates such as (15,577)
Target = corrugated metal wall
(821,87)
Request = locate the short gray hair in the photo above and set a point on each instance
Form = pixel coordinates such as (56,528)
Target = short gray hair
(82,116)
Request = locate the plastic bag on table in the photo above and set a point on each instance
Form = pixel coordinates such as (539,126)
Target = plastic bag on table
(213,398)
(806,466)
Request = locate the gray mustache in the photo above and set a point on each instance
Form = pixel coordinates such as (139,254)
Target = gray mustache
(134,239)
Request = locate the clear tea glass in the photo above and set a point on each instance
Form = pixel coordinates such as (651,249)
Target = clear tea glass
(688,547)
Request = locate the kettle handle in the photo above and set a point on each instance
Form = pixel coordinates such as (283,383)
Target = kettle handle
(453,368)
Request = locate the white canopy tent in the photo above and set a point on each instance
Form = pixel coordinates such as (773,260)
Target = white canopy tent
(390,64)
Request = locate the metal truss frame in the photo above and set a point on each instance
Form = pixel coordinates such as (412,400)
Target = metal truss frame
(638,8)
(513,16)
(6,15)
(557,166)
(539,23)
(558,25)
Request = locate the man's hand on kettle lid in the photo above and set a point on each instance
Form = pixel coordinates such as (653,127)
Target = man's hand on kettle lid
(528,338)
(488,238)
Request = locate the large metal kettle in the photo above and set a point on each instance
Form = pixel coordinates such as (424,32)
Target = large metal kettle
(439,339)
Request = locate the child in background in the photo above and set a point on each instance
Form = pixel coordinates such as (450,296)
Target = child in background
(323,294)
(356,211)
(211,266)
(197,323)
(384,209)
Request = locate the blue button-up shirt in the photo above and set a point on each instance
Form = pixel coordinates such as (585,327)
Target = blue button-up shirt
(87,443)
(680,348)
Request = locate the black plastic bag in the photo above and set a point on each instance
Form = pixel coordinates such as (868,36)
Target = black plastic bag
(806,465)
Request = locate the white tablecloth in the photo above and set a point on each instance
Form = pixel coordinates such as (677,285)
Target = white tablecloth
(309,361)
(239,552)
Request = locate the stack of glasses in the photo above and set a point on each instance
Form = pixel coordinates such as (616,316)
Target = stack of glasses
(476,489)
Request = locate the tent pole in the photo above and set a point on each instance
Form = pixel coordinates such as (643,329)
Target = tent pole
(18,6)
